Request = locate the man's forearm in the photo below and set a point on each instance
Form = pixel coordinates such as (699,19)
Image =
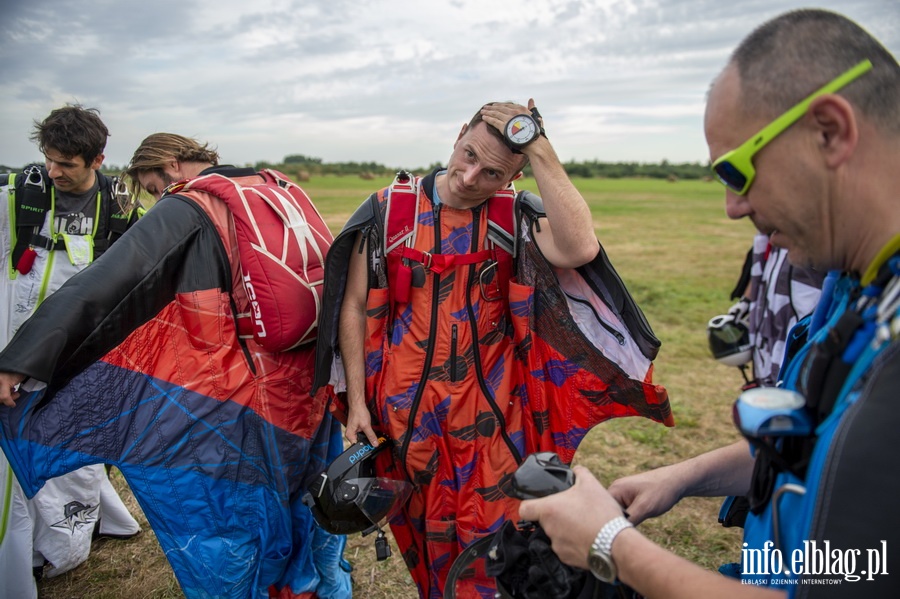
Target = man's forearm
(655,572)
(566,210)
(723,471)
(352,329)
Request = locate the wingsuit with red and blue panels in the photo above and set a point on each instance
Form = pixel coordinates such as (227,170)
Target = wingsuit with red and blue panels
(473,373)
(217,436)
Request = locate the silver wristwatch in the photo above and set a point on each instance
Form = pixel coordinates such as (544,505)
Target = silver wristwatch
(600,556)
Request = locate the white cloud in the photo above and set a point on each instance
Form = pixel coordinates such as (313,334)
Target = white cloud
(385,80)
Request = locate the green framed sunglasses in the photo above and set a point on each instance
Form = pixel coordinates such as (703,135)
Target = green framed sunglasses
(735,170)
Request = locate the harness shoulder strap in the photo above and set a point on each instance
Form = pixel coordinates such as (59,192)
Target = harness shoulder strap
(32,199)
(400,226)
(503,233)
(32,196)
(116,212)
(402,212)
(503,221)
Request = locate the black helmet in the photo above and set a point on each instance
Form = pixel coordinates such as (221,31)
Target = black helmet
(349,498)
(729,340)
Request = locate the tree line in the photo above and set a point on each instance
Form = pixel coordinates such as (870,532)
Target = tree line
(313,166)
(302,167)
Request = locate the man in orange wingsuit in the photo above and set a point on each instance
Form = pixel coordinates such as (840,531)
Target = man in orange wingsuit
(443,301)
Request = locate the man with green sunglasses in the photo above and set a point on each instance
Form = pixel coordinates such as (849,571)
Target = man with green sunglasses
(735,170)
(817,462)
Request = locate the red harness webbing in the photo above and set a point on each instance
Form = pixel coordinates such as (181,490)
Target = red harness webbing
(401,220)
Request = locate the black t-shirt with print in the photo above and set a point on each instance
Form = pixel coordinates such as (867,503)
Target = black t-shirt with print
(75,213)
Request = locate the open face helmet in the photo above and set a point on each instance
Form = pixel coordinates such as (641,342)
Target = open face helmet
(729,340)
(348,497)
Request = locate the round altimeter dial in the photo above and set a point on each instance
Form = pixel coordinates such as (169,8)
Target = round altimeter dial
(521,130)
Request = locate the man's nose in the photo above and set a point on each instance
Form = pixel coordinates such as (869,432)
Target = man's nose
(52,169)
(736,206)
(470,176)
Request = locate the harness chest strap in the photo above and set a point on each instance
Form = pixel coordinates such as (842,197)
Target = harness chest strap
(438,263)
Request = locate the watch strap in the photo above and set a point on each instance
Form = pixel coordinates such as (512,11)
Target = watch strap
(539,120)
(604,540)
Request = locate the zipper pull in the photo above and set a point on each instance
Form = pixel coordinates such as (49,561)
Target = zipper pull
(362,239)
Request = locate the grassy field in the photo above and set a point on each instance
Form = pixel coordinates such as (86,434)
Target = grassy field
(679,255)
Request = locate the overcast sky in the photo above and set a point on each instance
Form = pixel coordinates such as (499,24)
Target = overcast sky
(389,81)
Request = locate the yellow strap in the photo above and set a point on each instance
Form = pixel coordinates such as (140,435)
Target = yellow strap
(6,512)
(892,247)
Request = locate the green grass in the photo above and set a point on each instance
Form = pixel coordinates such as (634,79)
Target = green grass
(680,256)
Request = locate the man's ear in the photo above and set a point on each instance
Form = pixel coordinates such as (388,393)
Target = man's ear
(836,128)
(97,162)
(518,176)
(173,169)
(462,132)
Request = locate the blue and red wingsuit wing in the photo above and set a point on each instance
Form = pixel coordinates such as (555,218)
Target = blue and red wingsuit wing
(217,439)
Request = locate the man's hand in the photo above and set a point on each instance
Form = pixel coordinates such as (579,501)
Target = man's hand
(723,471)
(648,494)
(499,114)
(9,388)
(360,421)
(573,517)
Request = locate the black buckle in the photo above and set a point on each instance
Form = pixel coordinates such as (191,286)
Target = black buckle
(48,244)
